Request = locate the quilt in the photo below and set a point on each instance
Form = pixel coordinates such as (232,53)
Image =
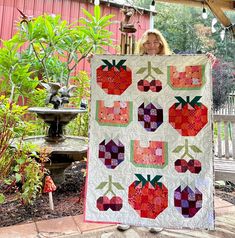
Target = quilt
(150,159)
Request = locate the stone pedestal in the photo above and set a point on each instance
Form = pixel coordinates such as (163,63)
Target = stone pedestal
(62,153)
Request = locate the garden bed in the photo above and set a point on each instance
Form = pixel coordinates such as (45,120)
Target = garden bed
(68,201)
(226,192)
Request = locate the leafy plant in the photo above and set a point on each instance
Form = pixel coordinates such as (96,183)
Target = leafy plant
(16,77)
(83,91)
(79,126)
(24,177)
(18,168)
(26,174)
(11,123)
(44,49)
(50,50)
(56,48)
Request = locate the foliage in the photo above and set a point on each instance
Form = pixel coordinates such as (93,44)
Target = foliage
(79,126)
(189,33)
(48,49)
(11,123)
(25,174)
(142,3)
(223,83)
(15,77)
(37,127)
(224,49)
(38,98)
(51,49)
(83,91)
(182,33)
(56,48)
(18,168)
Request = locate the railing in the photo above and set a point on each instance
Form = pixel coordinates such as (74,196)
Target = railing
(229,107)
(224,145)
(225,141)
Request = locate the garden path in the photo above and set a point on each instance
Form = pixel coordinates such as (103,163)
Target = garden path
(75,227)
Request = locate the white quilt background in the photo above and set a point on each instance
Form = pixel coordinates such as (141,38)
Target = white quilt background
(125,172)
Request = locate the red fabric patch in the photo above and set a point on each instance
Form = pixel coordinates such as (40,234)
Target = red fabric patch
(148,200)
(192,77)
(154,154)
(114,80)
(186,119)
(120,114)
(144,85)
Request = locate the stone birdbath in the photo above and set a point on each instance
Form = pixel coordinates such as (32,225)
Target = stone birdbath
(54,51)
(63,149)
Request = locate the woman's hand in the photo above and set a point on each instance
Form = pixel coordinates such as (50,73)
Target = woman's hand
(211,57)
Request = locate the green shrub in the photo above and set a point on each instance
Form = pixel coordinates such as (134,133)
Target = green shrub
(19,171)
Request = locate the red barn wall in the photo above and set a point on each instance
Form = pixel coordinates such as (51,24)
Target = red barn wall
(70,10)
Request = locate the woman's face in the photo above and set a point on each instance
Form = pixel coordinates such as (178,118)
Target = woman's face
(152,45)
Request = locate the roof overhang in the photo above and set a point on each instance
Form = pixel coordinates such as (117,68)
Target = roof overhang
(216,6)
(223,4)
(119,4)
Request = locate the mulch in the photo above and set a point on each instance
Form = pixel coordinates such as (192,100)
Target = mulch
(226,192)
(68,200)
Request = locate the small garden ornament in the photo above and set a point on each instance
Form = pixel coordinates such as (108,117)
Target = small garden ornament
(58,95)
(49,187)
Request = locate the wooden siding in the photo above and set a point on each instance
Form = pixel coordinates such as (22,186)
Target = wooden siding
(70,10)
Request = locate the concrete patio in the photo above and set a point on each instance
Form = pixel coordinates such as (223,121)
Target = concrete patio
(74,227)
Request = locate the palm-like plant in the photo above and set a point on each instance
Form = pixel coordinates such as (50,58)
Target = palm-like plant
(56,48)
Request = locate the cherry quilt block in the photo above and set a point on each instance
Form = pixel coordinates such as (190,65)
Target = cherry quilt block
(150,159)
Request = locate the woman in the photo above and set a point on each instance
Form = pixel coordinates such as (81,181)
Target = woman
(153,43)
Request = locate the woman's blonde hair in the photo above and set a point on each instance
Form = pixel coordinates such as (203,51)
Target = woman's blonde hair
(164,48)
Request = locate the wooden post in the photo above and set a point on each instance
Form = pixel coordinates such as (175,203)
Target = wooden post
(122,44)
(226,141)
(126,43)
(133,44)
(129,45)
(219,139)
(233,138)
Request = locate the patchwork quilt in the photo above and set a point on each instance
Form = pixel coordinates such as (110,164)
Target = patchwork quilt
(150,144)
